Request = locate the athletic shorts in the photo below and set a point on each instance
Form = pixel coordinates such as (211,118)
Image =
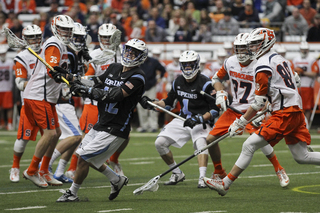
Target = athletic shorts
(97,146)
(25,130)
(181,135)
(307,96)
(222,125)
(288,125)
(89,117)
(6,100)
(41,113)
(68,121)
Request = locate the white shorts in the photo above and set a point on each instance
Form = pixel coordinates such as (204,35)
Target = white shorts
(97,146)
(181,135)
(68,120)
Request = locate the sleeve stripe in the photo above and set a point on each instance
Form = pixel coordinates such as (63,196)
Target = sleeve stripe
(263,68)
(17,58)
(53,44)
(139,76)
(173,85)
(271,56)
(206,85)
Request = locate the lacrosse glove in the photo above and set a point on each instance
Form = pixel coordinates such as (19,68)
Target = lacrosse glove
(144,103)
(194,120)
(59,73)
(85,54)
(79,90)
(258,121)
(237,126)
(222,100)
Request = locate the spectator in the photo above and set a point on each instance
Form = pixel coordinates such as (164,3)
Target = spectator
(154,72)
(27,7)
(314,31)
(227,26)
(167,13)
(249,17)
(317,7)
(194,13)
(43,20)
(10,17)
(93,27)
(295,24)
(174,22)
(106,15)
(118,5)
(138,30)
(8,6)
(53,9)
(291,4)
(183,34)
(204,17)
(115,22)
(203,34)
(308,12)
(155,15)
(126,21)
(79,15)
(237,8)
(154,33)
(3,24)
(217,14)
(17,27)
(273,12)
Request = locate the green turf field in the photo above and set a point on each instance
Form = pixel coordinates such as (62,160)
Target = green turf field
(257,189)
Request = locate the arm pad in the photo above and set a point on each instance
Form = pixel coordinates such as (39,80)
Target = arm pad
(20,83)
(259,102)
(215,79)
(112,95)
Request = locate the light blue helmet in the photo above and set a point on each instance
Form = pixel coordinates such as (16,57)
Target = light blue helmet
(134,53)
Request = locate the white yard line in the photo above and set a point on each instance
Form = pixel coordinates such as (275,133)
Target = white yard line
(25,208)
(116,210)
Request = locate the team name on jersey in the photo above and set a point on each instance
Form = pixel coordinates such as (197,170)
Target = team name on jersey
(115,83)
(241,76)
(187,95)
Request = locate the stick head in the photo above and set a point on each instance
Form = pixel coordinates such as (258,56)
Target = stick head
(103,57)
(13,41)
(151,186)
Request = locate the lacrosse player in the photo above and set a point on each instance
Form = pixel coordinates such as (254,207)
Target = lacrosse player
(42,93)
(25,63)
(274,81)
(69,124)
(239,69)
(117,92)
(196,108)
(109,37)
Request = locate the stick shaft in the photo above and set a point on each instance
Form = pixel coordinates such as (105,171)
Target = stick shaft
(167,111)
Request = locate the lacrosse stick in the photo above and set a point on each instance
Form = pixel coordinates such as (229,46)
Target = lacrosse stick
(232,108)
(167,111)
(153,186)
(103,57)
(15,42)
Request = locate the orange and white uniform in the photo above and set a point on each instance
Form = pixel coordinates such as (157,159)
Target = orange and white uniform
(89,116)
(275,79)
(25,63)
(242,88)
(6,75)
(42,92)
(303,65)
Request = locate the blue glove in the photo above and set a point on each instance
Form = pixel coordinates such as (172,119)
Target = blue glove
(194,120)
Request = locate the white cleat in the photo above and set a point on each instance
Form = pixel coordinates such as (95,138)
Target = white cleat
(216,184)
(283,178)
(175,178)
(116,187)
(48,177)
(14,175)
(116,167)
(201,183)
(70,174)
(36,179)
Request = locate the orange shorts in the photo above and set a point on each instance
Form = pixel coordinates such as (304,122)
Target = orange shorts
(41,113)
(25,130)
(6,100)
(89,117)
(222,125)
(288,125)
(307,96)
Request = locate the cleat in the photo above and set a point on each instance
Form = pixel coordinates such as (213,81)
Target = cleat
(63,178)
(36,179)
(70,174)
(10,127)
(201,183)
(14,175)
(48,177)
(68,197)
(175,178)
(283,178)
(116,187)
(221,175)
(116,167)
(216,184)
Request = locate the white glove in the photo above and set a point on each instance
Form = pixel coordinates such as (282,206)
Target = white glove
(222,100)
(237,126)
(66,94)
(297,78)
(258,121)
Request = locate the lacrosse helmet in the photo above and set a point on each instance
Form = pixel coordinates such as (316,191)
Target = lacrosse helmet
(32,34)
(227,45)
(221,55)
(134,53)
(304,49)
(62,28)
(240,47)
(78,41)
(281,50)
(260,41)
(189,63)
(104,35)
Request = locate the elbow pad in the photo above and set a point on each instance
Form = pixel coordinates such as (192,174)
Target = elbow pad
(112,95)
(20,83)
(259,102)
(215,79)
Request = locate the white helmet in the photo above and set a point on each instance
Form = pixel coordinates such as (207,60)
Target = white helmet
(32,34)
(281,49)
(221,54)
(189,63)
(227,45)
(260,41)
(134,53)
(79,37)
(304,49)
(240,47)
(104,35)
(62,28)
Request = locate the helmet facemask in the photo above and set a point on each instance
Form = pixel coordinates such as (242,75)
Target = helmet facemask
(34,41)
(104,42)
(242,53)
(65,34)
(255,49)
(79,41)
(190,68)
(132,57)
